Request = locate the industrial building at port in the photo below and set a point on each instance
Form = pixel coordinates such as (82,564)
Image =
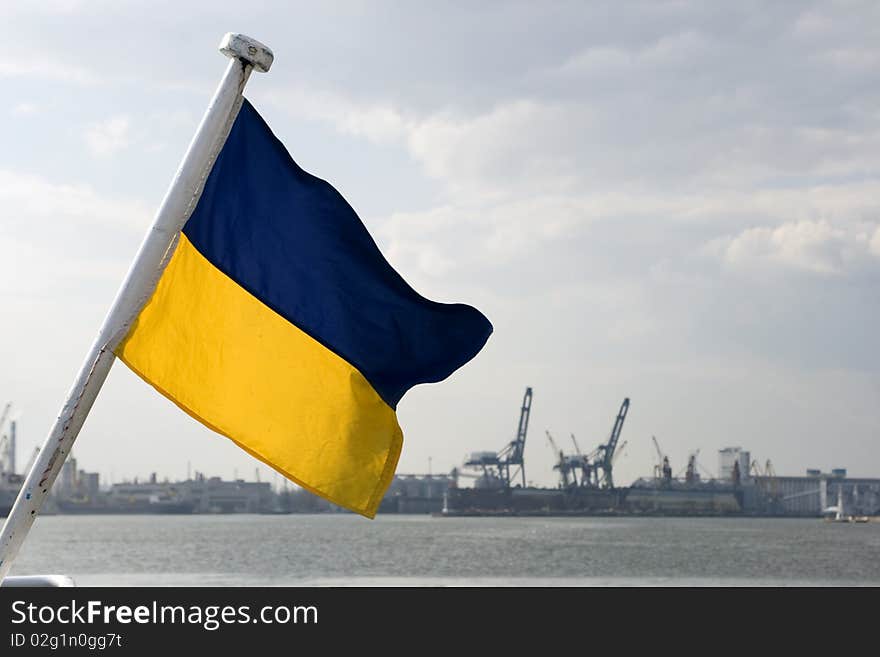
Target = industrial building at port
(488,483)
(77,491)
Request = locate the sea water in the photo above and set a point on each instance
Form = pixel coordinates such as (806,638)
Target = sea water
(404,550)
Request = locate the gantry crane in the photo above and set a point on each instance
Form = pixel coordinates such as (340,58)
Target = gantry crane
(604,460)
(570,464)
(584,463)
(561,463)
(504,466)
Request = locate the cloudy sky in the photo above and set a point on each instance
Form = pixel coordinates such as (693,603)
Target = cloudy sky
(677,202)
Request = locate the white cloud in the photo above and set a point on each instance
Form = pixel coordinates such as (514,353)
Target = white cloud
(523,176)
(709,143)
(379,122)
(483,235)
(669,52)
(814,246)
(36,201)
(108,137)
(24,109)
(520,145)
(66,248)
(46,67)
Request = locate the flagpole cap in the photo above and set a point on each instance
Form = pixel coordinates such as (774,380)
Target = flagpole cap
(250,50)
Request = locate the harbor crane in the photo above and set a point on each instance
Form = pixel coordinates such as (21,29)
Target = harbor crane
(503,467)
(585,464)
(561,464)
(659,465)
(662,470)
(767,480)
(570,464)
(604,460)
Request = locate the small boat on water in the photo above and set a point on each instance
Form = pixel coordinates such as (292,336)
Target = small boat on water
(837,513)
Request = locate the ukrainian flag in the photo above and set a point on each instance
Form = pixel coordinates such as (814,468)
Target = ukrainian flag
(278,324)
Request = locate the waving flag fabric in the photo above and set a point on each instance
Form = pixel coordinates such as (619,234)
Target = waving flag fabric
(279,324)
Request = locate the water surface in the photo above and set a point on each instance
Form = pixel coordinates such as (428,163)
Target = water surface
(341,550)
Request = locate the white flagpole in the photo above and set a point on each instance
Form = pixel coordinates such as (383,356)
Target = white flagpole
(158,245)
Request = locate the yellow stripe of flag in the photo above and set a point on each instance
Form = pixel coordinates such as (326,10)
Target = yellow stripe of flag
(240,368)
